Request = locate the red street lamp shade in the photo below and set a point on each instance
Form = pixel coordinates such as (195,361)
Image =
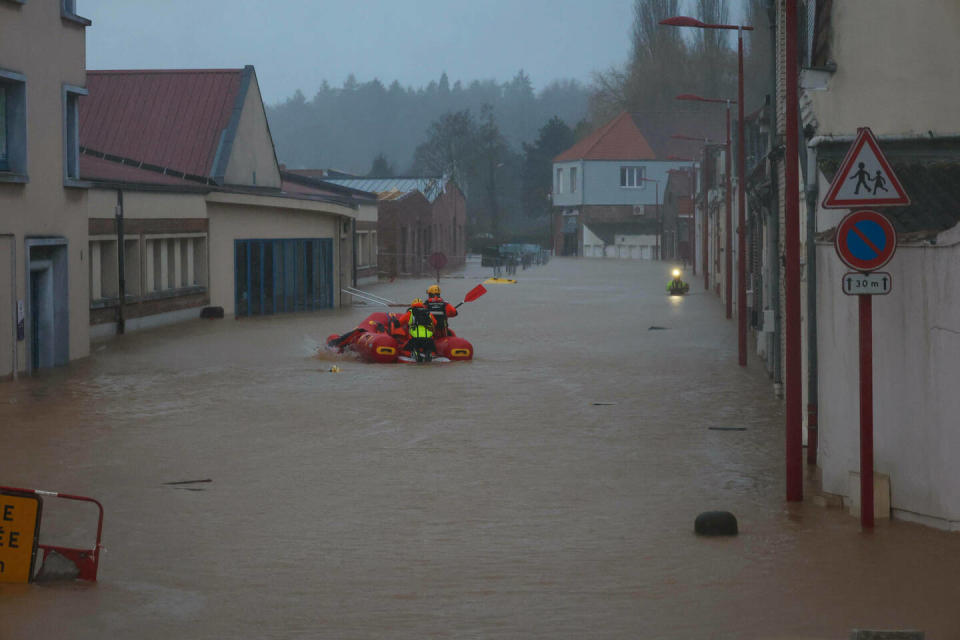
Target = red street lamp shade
(683,21)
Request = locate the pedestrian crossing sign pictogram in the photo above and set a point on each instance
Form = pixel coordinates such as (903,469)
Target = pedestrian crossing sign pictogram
(865,240)
(865,178)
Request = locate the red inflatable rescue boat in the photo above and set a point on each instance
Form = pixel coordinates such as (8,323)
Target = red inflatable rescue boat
(381,338)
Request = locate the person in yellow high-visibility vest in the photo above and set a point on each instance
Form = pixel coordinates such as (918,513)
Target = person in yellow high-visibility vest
(677,287)
(421,326)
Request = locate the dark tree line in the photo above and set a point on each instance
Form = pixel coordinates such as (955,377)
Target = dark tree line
(347,127)
(497,140)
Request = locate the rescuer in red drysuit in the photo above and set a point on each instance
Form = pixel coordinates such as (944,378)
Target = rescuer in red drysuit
(440,309)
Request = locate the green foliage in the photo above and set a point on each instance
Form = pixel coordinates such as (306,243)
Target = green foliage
(381,168)
(536,175)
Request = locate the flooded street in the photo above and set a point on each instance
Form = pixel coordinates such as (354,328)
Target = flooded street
(489,499)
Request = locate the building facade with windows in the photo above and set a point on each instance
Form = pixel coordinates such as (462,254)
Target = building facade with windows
(417,216)
(189,208)
(616,176)
(43,230)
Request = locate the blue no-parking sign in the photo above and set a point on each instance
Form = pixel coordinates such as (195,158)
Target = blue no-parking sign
(865,240)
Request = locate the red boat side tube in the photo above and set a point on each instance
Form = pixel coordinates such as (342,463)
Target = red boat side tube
(454,348)
(377,347)
(370,324)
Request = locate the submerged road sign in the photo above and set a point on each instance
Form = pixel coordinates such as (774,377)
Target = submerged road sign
(878,283)
(19,527)
(865,240)
(865,178)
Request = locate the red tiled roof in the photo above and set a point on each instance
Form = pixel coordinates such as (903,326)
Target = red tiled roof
(93,168)
(172,119)
(646,136)
(619,139)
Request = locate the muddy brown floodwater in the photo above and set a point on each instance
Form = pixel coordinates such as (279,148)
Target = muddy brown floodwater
(490,499)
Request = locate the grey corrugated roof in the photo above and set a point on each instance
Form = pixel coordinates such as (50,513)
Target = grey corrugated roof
(431,188)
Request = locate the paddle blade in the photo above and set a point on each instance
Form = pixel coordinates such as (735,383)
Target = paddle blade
(474,293)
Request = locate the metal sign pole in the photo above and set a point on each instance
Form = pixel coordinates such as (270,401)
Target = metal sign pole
(866,411)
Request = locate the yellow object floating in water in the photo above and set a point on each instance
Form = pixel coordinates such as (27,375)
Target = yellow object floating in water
(334,369)
(499,281)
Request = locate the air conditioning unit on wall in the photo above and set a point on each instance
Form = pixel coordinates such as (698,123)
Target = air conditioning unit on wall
(638,209)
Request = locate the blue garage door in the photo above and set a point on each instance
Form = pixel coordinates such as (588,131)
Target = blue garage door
(282,276)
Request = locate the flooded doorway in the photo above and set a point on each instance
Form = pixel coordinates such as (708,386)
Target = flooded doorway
(48,302)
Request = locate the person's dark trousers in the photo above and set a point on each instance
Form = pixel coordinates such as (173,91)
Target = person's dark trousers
(422,348)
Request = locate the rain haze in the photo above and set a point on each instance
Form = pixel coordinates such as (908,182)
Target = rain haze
(296,44)
(448,319)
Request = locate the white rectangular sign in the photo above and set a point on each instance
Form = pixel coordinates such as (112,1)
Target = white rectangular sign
(878,283)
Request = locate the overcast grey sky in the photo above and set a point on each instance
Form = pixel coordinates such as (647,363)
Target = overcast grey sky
(299,43)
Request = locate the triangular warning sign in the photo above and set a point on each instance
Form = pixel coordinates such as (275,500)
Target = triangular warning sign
(865,178)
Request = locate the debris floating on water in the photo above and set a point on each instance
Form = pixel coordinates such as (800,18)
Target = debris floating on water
(656,328)
(334,369)
(190,481)
(727,428)
(602,404)
(57,566)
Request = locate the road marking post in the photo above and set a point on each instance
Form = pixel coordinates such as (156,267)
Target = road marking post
(866,241)
(866,411)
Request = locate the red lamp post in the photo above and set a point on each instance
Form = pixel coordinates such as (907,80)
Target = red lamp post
(682,21)
(729,225)
(656,203)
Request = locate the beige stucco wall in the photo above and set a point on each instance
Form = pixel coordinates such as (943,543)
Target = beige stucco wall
(232,221)
(252,147)
(916,362)
(897,68)
(50,52)
(149,205)
(367,213)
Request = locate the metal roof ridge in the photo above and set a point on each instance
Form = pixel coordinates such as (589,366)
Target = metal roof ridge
(158,71)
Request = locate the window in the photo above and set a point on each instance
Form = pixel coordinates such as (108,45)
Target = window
(559,180)
(104,279)
(573,179)
(366,246)
(631,177)
(71,132)
(13,127)
(174,262)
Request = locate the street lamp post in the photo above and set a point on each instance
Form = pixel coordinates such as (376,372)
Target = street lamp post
(656,203)
(682,21)
(729,225)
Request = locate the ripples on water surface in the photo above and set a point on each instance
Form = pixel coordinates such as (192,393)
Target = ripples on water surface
(487,499)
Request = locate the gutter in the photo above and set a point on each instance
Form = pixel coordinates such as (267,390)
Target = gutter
(121,279)
(13,298)
(908,137)
(812,196)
